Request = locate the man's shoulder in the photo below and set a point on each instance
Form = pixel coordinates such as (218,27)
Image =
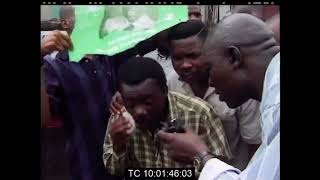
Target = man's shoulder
(174,84)
(173,76)
(271,87)
(190,103)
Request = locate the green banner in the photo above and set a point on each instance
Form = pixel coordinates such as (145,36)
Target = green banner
(113,29)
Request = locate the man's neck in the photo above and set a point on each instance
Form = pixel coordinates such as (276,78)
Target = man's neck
(200,87)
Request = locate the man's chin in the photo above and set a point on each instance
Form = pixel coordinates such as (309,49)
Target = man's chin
(230,105)
(143,127)
(233,105)
(187,79)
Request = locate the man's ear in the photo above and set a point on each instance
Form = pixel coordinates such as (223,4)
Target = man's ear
(64,24)
(235,56)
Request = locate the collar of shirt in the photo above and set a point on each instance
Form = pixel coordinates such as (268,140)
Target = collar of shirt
(189,91)
(173,109)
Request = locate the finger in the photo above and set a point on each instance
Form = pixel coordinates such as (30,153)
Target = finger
(68,40)
(165,137)
(119,100)
(63,41)
(113,110)
(56,44)
(117,106)
(59,48)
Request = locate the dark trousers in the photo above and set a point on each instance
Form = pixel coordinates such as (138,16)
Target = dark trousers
(53,157)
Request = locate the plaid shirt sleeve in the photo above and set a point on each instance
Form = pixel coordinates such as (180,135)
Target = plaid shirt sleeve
(212,132)
(114,163)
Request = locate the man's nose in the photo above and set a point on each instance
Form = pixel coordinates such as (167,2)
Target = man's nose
(186,64)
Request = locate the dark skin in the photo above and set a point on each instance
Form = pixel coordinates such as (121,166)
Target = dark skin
(186,60)
(231,68)
(139,101)
(59,41)
(56,41)
(159,42)
(194,12)
(67,16)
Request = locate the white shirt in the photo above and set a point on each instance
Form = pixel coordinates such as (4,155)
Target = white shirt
(265,164)
(241,125)
(166,64)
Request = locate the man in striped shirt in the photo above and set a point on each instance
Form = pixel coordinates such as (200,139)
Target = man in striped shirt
(142,85)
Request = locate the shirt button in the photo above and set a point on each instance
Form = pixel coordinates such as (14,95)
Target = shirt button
(86,60)
(95,71)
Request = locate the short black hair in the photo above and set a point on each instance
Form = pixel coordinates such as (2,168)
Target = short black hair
(138,69)
(188,29)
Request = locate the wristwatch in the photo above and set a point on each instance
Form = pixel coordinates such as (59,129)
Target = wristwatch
(201,159)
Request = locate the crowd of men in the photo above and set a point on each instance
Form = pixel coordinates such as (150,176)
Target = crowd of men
(219,87)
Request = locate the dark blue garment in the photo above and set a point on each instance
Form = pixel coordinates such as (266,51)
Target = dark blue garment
(81,93)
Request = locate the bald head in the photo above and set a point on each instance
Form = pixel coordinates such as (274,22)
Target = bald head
(239,52)
(67,17)
(255,10)
(240,30)
(66,12)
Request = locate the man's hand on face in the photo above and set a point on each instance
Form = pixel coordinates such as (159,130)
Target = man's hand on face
(119,133)
(183,147)
(56,41)
(117,104)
